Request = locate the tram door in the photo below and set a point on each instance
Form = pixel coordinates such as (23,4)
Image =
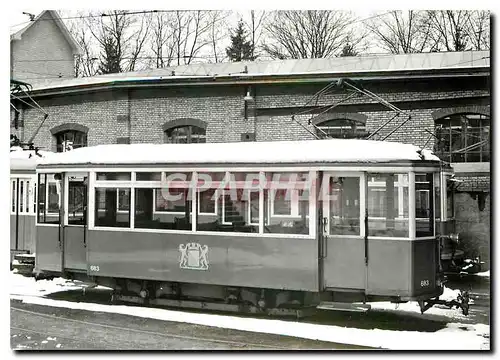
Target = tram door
(343,231)
(75,221)
(22,220)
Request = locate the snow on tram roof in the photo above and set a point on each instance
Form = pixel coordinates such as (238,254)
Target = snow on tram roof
(25,159)
(275,152)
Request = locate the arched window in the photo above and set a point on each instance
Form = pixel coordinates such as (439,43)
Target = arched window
(463,137)
(185,135)
(343,126)
(70,139)
(69,136)
(185,131)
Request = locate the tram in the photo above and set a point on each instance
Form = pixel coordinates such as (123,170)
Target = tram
(251,226)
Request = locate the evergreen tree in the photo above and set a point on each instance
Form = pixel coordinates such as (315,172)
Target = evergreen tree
(110,58)
(348,50)
(240,48)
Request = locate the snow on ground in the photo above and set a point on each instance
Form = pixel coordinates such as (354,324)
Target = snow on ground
(455,336)
(27,286)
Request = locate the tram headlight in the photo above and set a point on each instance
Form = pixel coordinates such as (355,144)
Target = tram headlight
(454,237)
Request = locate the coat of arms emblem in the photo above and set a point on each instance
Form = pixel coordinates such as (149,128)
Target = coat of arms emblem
(193,256)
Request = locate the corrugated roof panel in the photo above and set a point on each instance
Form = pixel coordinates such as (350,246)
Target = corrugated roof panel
(346,65)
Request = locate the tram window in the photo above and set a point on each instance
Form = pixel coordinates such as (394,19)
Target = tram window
(171,200)
(34,199)
(286,203)
(437,194)
(21,197)
(77,204)
(113,176)
(108,215)
(388,205)
(13,199)
(209,186)
(151,205)
(344,206)
(207,202)
(123,204)
(236,206)
(281,202)
(48,199)
(424,209)
(209,210)
(228,207)
(450,200)
(148,176)
(28,198)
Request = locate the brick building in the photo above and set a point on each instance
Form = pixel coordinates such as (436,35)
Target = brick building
(442,96)
(43,48)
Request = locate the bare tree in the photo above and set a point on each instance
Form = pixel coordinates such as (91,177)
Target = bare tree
(449,29)
(134,44)
(307,34)
(255,22)
(121,38)
(85,64)
(161,39)
(401,32)
(217,32)
(190,35)
(479,29)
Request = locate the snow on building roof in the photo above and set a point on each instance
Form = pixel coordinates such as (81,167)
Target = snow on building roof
(25,159)
(274,152)
(335,66)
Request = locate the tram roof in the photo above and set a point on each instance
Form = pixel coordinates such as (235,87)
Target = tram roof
(25,159)
(274,152)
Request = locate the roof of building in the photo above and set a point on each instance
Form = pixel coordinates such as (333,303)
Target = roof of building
(60,24)
(366,65)
(273,152)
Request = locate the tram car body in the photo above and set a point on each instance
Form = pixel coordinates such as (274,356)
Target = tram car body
(318,222)
(23,200)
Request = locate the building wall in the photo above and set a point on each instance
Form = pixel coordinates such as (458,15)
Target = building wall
(140,114)
(41,42)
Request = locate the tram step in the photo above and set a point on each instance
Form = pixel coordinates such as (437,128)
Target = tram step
(338,306)
(25,258)
(23,269)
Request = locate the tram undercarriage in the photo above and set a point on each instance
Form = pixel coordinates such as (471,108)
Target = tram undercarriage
(271,302)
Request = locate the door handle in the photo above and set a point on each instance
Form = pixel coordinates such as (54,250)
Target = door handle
(325,224)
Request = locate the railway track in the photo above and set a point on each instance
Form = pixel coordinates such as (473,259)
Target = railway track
(93,325)
(145,334)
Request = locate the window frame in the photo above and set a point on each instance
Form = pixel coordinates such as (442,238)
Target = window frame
(357,128)
(446,129)
(191,133)
(61,135)
(133,184)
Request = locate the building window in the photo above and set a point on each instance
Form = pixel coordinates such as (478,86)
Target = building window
(342,128)
(70,139)
(463,138)
(185,135)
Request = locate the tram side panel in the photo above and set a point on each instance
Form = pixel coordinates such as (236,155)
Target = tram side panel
(425,265)
(249,261)
(389,267)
